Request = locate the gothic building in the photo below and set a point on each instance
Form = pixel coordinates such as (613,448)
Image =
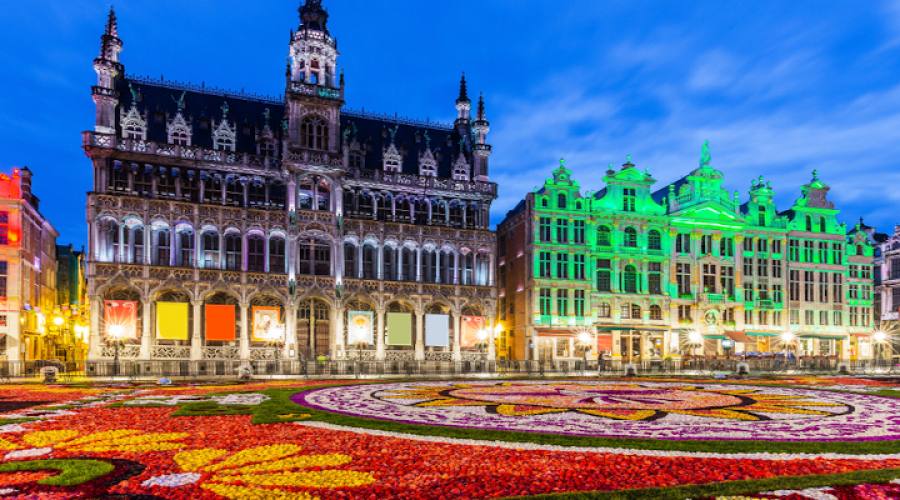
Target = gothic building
(647,275)
(225,226)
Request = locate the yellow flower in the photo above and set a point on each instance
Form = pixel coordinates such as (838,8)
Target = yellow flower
(122,440)
(253,472)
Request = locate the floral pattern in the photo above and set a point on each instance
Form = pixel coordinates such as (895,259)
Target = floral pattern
(659,410)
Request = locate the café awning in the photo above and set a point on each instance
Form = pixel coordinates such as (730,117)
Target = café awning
(740,337)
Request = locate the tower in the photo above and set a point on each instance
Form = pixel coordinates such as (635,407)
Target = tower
(314,96)
(482,150)
(463,108)
(108,69)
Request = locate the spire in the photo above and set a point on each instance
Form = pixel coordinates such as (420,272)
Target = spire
(463,93)
(112,26)
(313,16)
(480,115)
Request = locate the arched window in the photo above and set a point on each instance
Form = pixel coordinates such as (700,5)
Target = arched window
(389,263)
(135,236)
(560,201)
(256,254)
(603,310)
(162,246)
(654,241)
(233,252)
(468,268)
(630,237)
(428,266)
(408,263)
(635,311)
(184,253)
(655,313)
(447,262)
(630,279)
(821,224)
(603,236)
(808,223)
(370,262)
(314,133)
(210,240)
(276,255)
(314,258)
(351,266)
(544,202)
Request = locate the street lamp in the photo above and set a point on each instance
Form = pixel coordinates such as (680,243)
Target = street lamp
(584,338)
(116,332)
(883,339)
(481,335)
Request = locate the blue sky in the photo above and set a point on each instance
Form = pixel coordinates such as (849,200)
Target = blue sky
(779,88)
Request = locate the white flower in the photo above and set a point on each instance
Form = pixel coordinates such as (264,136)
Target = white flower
(240,399)
(29,453)
(172,480)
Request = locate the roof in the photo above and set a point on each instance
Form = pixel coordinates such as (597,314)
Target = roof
(158,102)
(663,192)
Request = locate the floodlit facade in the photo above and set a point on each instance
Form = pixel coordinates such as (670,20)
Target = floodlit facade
(27,275)
(644,275)
(225,226)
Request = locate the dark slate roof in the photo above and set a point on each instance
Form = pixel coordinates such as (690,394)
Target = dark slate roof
(663,192)
(516,209)
(157,101)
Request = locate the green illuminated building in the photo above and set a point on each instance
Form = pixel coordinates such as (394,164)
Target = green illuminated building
(686,270)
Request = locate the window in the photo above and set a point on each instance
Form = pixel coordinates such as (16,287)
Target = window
(823,318)
(761,216)
(748,244)
(578,232)
(4,273)
(604,275)
(562,302)
(709,278)
(777,293)
(630,279)
(683,243)
(351,265)
(579,266)
(776,246)
(654,277)
(823,252)
(795,317)
(562,266)
(562,231)
(726,247)
(823,288)
(314,133)
(630,237)
(654,241)
(276,255)
(683,278)
(726,277)
(544,225)
(776,268)
(256,254)
(808,290)
(544,264)
(544,301)
(561,201)
(684,314)
(628,199)
(807,251)
(794,251)
(579,303)
(233,252)
(163,247)
(808,317)
(895,269)
(655,313)
(809,223)
(762,245)
(185,247)
(604,310)
(838,319)
(837,286)
(895,298)
(706,244)
(837,253)
(762,267)
(794,287)
(210,250)
(821,224)
(603,237)
(748,266)
(4,228)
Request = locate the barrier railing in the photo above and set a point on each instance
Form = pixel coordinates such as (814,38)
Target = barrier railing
(184,369)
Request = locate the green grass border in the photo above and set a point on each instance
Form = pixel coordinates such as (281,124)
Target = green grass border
(747,487)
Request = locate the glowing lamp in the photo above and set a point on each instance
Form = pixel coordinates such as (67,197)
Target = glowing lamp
(584,337)
(115,331)
(481,335)
(787,337)
(58,320)
(694,337)
(880,337)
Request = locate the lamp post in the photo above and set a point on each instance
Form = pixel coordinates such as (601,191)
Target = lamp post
(115,332)
(584,338)
(882,342)
(787,339)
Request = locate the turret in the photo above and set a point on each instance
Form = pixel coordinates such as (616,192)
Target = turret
(108,69)
(313,51)
(481,148)
(463,107)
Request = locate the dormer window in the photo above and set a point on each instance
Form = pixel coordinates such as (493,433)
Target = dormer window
(223,136)
(392,159)
(134,126)
(178,130)
(461,169)
(427,164)
(267,148)
(356,159)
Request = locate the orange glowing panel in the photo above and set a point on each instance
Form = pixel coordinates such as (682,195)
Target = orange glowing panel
(120,317)
(220,322)
(471,325)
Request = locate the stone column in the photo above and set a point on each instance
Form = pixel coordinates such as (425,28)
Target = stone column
(196,336)
(95,338)
(379,334)
(290,330)
(457,323)
(245,331)
(492,343)
(146,338)
(338,332)
(420,334)
(120,248)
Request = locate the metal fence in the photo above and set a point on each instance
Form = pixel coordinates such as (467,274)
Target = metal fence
(206,369)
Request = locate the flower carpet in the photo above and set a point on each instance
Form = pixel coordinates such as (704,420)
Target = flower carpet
(635,438)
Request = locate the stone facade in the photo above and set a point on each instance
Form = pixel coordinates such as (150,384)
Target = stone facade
(645,275)
(208,198)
